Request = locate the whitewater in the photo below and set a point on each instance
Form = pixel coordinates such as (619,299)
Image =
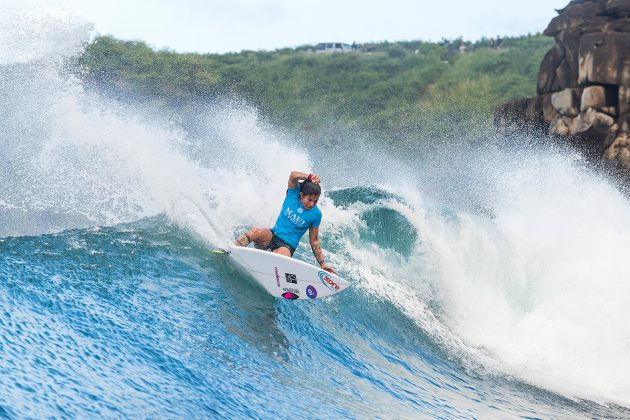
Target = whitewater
(489,279)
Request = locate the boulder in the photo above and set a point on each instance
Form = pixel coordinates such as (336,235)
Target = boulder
(570,39)
(601,24)
(520,114)
(618,7)
(549,112)
(610,110)
(619,150)
(584,81)
(591,120)
(547,73)
(560,126)
(567,74)
(574,15)
(624,109)
(611,135)
(534,111)
(599,97)
(558,71)
(567,102)
(605,58)
(569,69)
(592,130)
(619,25)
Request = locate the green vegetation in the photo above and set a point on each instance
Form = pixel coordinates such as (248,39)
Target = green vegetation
(392,90)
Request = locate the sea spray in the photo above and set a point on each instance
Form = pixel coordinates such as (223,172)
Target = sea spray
(537,282)
(76,159)
(518,265)
(33,34)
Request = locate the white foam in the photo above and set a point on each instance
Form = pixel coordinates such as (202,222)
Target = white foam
(35,32)
(99,162)
(534,286)
(542,287)
(109,165)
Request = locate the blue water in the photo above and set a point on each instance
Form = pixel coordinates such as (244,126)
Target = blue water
(140,319)
(485,281)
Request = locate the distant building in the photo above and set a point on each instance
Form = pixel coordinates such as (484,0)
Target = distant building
(333,47)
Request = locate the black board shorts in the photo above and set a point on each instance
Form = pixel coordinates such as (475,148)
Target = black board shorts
(276,243)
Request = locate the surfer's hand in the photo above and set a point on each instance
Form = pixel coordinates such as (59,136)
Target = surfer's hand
(314,178)
(328,268)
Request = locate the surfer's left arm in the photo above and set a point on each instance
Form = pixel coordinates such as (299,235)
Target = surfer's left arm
(313,236)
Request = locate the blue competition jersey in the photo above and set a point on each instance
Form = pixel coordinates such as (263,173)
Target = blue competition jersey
(294,220)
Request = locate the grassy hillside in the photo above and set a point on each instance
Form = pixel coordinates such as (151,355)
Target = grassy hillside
(389,89)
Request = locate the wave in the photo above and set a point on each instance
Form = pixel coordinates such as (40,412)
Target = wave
(121,316)
(480,265)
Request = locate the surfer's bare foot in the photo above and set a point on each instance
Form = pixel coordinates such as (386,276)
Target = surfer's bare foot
(243,240)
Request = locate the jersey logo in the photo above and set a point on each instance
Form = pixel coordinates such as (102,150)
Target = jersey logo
(294,218)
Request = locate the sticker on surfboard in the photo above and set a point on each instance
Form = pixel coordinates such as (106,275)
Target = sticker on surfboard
(285,277)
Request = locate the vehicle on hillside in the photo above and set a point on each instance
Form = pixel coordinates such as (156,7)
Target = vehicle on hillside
(333,47)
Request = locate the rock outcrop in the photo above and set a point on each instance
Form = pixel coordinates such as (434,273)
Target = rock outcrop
(584,81)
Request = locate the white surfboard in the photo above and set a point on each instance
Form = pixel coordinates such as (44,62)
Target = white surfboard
(286,277)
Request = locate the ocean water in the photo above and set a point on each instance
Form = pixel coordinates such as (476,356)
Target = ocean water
(488,281)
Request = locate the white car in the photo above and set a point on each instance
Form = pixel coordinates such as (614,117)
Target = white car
(332,47)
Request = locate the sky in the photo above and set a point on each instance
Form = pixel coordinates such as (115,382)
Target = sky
(219,26)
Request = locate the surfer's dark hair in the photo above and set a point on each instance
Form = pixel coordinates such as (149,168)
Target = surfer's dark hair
(310,188)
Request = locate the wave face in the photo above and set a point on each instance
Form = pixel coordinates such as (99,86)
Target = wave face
(487,281)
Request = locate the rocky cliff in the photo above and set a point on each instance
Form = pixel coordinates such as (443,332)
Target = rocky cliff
(584,81)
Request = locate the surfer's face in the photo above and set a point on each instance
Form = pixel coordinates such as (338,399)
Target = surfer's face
(308,201)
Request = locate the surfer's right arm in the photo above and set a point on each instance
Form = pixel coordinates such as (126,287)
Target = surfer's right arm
(296,176)
(313,236)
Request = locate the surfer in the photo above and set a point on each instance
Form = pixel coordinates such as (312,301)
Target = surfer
(299,213)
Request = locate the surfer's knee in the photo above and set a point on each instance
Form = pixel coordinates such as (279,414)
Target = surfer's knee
(283,251)
(260,236)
